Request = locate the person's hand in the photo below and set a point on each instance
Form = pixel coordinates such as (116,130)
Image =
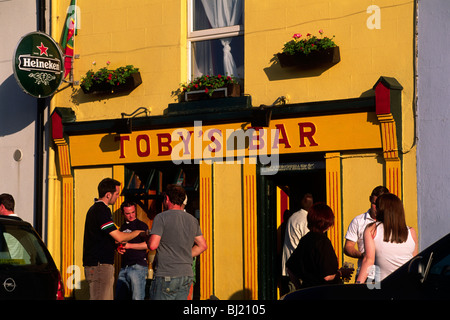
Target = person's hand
(346,273)
(121,248)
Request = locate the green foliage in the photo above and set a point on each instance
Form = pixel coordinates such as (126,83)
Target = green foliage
(104,75)
(309,44)
(208,83)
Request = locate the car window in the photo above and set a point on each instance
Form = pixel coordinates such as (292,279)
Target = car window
(442,267)
(19,246)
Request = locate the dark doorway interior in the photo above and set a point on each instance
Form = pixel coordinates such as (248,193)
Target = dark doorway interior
(145,184)
(296,175)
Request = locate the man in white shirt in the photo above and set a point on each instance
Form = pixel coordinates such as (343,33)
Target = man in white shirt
(355,231)
(296,228)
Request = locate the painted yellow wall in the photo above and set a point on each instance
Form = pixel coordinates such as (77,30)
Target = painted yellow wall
(227,224)
(365,54)
(148,34)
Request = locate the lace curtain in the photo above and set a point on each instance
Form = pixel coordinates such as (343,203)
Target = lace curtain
(220,13)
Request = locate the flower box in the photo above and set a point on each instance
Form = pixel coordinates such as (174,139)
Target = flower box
(230,90)
(131,82)
(314,59)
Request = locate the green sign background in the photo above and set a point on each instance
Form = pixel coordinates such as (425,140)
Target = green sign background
(38,64)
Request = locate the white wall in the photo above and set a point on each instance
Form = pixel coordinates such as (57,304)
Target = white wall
(433,121)
(18,111)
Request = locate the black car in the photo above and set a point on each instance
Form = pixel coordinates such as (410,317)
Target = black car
(27,270)
(425,277)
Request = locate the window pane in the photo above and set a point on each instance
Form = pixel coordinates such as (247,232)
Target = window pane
(200,18)
(208,57)
(18,246)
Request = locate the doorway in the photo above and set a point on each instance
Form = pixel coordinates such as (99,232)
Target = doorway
(145,184)
(279,195)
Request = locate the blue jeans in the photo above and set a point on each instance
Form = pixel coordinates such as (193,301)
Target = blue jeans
(170,288)
(132,280)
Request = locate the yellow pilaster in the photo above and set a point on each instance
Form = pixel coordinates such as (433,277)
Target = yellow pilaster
(66,208)
(334,194)
(393,172)
(206,223)
(250,232)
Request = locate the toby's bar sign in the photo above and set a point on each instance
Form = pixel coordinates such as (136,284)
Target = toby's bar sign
(38,64)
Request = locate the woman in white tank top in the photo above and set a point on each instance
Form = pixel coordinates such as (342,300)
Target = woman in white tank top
(389,243)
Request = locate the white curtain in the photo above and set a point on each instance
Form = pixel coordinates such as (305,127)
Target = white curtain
(224,13)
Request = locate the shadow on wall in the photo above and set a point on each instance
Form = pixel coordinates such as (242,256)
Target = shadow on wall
(17,109)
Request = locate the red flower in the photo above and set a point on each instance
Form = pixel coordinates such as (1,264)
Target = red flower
(219,76)
(110,76)
(206,90)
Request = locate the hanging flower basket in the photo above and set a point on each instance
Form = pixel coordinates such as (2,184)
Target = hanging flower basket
(326,57)
(209,87)
(230,90)
(309,52)
(104,81)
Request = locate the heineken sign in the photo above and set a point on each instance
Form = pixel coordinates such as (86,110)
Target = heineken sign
(37,65)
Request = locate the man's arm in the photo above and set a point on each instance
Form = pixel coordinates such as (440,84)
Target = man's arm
(120,236)
(350,250)
(199,246)
(136,246)
(153,242)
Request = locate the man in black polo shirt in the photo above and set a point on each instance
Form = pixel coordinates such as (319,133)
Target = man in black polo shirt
(100,234)
(133,274)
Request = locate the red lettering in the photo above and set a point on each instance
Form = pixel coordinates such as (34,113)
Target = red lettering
(186,141)
(146,151)
(256,136)
(281,137)
(122,145)
(308,134)
(164,144)
(214,139)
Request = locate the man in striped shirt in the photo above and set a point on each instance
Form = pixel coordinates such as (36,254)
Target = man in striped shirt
(100,237)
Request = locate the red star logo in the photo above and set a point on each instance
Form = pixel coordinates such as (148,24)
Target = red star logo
(43,49)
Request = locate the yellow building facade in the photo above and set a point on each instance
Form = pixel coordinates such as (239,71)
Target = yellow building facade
(340,131)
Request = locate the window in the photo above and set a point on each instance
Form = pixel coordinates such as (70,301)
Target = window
(18,246)
(216,37)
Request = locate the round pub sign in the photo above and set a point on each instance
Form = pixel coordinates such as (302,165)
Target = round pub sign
(38,64)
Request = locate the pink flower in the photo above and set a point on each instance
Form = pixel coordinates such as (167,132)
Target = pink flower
(296,36)
(321,31)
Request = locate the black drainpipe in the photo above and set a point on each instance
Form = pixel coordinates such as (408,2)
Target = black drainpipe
(39,154)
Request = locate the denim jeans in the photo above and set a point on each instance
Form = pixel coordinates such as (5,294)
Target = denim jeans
(170,288)
(132,280)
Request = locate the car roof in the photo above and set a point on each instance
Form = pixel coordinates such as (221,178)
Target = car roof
(14,220)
